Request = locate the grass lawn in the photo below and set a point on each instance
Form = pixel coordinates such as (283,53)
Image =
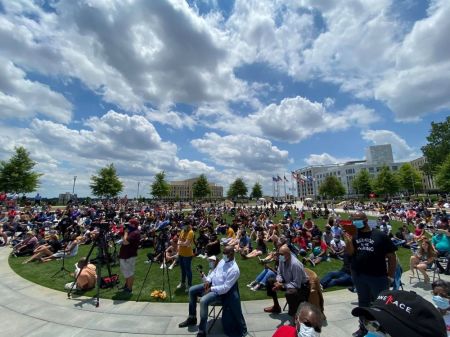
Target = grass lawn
(41,273)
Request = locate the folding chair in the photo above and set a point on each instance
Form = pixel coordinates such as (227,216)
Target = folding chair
(443,262)
(214,313)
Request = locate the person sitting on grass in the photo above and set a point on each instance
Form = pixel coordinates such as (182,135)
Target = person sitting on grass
(319,252)
(70,250)
(26,246)
(327,236)
(245,245)
(341,277)
(423,259)
(261,247)
(171,254)
(337,248)
(230,236)
(47,249)
(213,246)
(86,279)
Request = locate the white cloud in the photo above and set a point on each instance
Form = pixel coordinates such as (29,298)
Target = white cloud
(325,159)
(416,85)
(402,151)
(242,151)
(21,98)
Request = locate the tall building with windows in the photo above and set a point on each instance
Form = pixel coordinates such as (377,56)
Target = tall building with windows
(182,190)
(311,177)
(427,180)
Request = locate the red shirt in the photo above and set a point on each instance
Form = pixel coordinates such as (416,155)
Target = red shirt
(285,331)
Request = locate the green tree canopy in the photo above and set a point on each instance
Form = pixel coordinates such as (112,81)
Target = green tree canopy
(438,147)
(107,183)
(362,183)
(257,191)
(237,189)
(16,175)
(409,178)
(386,183)
(443,175)
(160,188)
(200,188)
(331,187)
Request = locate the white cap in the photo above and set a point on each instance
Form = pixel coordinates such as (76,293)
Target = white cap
(212,258)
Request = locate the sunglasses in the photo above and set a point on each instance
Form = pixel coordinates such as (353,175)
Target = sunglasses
(375,326)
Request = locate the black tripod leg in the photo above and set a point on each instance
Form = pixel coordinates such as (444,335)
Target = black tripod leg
(145,279)
(99,280)
(87,259)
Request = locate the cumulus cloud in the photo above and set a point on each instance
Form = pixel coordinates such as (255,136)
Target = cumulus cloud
(325,159)
(22,98)
(251,153)
(416,85)
(402,151)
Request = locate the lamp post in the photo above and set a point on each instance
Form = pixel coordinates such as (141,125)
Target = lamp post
(413,183)
(139,183)
(73,187)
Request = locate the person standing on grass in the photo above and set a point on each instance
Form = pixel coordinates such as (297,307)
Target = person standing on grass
(185,255)
(369,249)
(128,253)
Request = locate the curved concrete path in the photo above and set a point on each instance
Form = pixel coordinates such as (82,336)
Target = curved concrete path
(30,310)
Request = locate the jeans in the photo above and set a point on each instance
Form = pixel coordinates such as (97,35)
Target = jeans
(186,269)
(207,299)
(264,276)
(336,278)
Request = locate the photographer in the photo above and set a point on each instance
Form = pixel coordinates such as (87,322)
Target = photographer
(128,253)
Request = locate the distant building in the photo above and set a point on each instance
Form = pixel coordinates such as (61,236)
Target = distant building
(182,190)
(311,177)
(427,180)
(64,198)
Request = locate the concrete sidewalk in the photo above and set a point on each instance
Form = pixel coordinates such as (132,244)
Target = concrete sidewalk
(28,309)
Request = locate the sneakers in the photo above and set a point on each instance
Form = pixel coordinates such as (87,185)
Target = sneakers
(171,267)
(251,284)
(255,288)
(359,333)
(162,266)
(181,285)
(273,310)
(190,321)
(148,261)
(312,263)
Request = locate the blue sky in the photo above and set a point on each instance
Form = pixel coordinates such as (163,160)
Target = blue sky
(230,89)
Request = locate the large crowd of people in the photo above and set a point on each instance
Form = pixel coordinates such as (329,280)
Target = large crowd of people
(288,247)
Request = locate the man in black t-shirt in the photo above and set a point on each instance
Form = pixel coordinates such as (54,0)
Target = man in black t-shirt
(369,249)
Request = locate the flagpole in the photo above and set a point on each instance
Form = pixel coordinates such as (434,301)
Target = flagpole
(284,183)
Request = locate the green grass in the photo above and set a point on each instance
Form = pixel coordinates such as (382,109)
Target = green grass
(41,273)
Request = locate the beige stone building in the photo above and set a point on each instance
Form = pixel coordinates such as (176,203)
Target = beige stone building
(182,190)
(427,180)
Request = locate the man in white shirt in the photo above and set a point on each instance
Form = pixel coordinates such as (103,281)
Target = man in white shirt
(217,283)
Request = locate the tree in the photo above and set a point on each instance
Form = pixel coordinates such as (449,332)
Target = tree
(409,178)
(200,188)
(160,188)
(443,175)
(16,175)
(107,183)
(257,191)
(237,189)
(438,146)
(386,183)
(362,183)
(331,187)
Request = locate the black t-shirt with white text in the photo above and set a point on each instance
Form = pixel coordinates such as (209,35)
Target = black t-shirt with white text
(370,252)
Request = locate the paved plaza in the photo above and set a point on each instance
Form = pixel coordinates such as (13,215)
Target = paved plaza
(30,310)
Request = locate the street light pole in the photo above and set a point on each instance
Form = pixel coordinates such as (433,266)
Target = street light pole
(73,187)
(413,183)
(139,183)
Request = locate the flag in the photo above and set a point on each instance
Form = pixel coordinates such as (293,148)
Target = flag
(303,177)
(285,179)
(294,175)
(279,178)
(310,178)
(274,179)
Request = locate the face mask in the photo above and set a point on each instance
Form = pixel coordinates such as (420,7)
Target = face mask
(281,258)
(337,240)
(225,258)
(441,302)
(212,264)
(358,223)
(306,331)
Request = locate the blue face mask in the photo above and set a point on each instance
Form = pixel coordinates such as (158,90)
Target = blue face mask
(225,258)
(358,223)
(281,258)
(375,334)
(441,302)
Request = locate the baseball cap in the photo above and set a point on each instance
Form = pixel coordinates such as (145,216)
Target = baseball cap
(212,258)
(404,313)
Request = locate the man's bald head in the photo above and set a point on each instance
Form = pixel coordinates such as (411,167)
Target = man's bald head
(359,216)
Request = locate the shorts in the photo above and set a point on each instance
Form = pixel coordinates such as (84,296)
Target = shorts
(127,266)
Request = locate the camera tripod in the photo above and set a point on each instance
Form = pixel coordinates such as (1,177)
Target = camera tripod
(63,267)
(103,256)
(166,277)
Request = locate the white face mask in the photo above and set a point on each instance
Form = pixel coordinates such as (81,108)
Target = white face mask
(306,331)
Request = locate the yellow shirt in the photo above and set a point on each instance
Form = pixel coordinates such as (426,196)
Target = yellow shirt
(186,251)
(230,233)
